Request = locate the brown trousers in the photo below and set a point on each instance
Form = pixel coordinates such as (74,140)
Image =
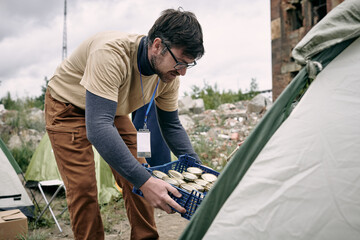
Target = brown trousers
(65,125)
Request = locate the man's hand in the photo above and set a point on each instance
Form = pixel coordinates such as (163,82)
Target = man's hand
(156,191)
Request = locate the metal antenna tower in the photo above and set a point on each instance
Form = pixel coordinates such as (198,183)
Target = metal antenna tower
(64,47)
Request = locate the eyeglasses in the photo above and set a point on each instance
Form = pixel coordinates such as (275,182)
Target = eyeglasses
(180,65)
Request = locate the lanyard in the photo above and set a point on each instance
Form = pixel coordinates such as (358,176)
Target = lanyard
(152,98)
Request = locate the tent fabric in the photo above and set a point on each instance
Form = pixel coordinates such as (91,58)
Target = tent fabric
(10,157)
(11,184)
(245,208)
(340,24)
(43,167)
(305,183)
(253,145)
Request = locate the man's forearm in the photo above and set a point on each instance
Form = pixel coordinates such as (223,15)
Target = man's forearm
(101,132)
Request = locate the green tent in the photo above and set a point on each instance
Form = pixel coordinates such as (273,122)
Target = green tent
(43,167)
(297,176)
(13,194)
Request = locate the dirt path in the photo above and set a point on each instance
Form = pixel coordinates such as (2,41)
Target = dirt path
(170,226)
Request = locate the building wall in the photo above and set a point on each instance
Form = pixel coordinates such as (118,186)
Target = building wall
(290,21)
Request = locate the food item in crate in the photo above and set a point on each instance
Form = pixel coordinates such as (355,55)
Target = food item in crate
(187,187)
(194,170)
(208,186)
(159,174)
(209,177)
(181,181)
(197,186)
(201,182)
(172,181)
(189,176)
(175,174)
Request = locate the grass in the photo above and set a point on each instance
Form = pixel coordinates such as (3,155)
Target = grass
(208,151)
(112,214)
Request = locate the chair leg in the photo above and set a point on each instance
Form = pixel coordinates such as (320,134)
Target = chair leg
(63,211)
(48,205)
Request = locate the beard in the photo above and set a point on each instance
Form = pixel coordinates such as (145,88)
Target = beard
(165,77)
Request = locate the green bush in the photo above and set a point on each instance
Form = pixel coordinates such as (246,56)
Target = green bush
(9,103)
(209,150)
(213,97)
(23,155)
(26,103)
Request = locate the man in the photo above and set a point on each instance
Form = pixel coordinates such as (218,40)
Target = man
(88,101)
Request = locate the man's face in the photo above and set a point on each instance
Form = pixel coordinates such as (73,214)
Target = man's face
(163,64)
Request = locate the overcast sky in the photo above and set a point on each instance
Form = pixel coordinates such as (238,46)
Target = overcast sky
(236,38)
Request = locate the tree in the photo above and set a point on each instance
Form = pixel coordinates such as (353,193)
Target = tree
(40,100)
(253,85)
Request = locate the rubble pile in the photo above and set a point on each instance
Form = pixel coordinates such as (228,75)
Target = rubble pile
(216,133)
(21,128)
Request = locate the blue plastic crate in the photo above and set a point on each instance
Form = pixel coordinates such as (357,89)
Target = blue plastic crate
(189,201)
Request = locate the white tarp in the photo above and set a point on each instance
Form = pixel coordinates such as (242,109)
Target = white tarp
(11,185)
(305,183)
(340,24)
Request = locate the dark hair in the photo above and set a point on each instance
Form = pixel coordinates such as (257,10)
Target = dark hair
(181,29)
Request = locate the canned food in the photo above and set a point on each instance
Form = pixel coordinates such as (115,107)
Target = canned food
(208,186)
(209,177)
(159,174)
(201,182)
(197,186)
(180,181)
(189,176)
(175,174)
(194,170)
(187,187)
(171,181)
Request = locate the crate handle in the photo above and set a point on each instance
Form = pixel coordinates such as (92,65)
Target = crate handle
(187,200)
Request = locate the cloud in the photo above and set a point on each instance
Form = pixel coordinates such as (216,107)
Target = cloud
(236,38)
(19,16)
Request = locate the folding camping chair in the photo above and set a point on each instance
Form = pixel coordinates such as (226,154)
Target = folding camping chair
(48,183)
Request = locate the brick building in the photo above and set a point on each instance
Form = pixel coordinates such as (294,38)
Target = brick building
(290,21)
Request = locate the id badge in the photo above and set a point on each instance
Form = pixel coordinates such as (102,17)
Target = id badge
(143,143)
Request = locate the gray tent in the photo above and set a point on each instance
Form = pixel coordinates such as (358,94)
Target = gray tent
(13,194)
(297,176)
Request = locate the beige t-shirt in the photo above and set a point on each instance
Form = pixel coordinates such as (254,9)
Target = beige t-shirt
(106,65)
